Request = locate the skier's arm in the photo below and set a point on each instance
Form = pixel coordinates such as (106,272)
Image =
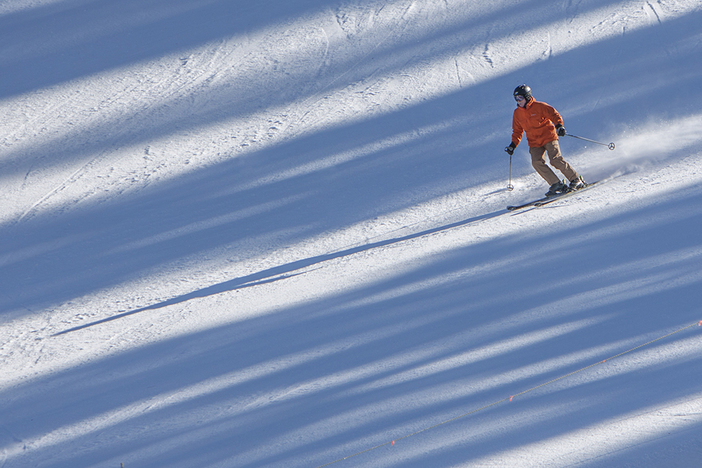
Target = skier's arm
(517,130)
(557,120)
(554,116)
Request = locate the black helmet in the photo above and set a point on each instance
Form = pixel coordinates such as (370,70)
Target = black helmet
(523,90)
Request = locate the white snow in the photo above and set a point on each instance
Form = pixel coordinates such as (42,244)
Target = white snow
(273,234)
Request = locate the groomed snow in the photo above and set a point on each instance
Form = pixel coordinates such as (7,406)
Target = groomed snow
(273,234)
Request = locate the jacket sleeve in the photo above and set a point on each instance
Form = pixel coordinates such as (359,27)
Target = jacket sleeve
(517,130)
(553,115)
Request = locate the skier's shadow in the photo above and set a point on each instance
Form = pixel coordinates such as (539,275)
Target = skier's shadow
(282,272)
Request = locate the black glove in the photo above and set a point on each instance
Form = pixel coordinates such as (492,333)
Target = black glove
(510,149)
(560,130)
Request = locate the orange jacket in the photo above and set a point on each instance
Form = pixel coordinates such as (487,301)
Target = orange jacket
(538,120)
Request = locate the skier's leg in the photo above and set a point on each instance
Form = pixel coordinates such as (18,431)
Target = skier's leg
(538,161)
(557,161)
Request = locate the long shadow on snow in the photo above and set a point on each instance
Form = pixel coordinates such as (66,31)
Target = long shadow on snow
(232,99)
(311,384)
(52,259)
(57,257)
(89,38)
(288,270)
(625,292)
(92,37)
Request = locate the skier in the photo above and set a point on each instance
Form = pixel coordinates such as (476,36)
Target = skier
(543,125)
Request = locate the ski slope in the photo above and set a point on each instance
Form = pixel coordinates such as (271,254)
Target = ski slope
(273,234)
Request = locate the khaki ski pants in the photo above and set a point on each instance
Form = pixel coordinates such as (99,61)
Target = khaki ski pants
(538,160)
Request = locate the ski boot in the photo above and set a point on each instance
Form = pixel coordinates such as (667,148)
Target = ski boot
(576,184)
(559,188)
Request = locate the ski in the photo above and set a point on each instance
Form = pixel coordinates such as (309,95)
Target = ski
(563,195)
(546,200)
(527,204)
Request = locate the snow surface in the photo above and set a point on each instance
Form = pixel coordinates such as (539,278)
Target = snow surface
(273,234)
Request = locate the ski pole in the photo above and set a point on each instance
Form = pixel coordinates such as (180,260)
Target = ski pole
(610,145)
(510,187)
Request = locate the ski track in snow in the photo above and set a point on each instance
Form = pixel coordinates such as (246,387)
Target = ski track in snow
(282,228)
